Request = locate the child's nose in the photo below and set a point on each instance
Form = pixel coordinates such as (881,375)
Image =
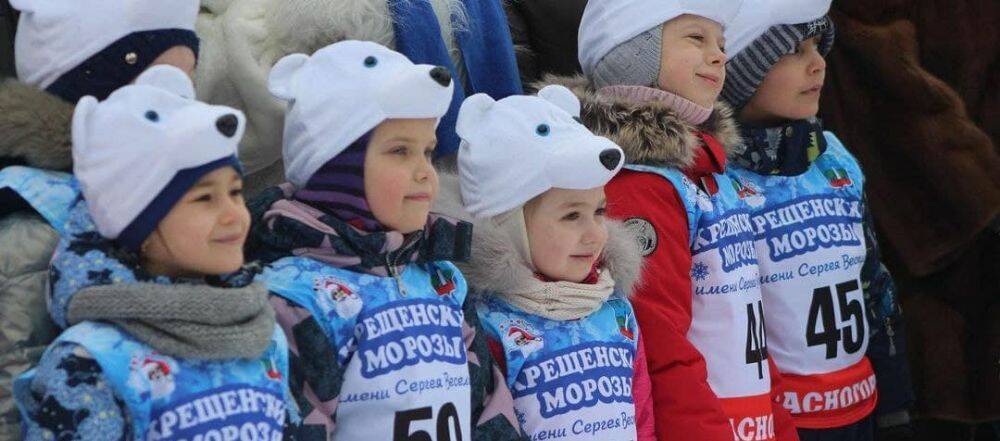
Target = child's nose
(593,232)
(424,170)
(715,55)
(817,63)
(231,211)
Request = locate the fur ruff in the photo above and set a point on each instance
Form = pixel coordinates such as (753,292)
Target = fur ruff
(496,266)
(649,133)
(35,127)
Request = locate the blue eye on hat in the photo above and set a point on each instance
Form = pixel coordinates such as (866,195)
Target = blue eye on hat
(371,61)
(542,130)
(153,116)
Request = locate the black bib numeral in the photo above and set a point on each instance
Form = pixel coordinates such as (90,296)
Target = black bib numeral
(447,419)
(756,338)
(822,328)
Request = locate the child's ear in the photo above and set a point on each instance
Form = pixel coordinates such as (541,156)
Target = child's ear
(81,116)
(282,77)
(168,78)
(472,112)
(562,97)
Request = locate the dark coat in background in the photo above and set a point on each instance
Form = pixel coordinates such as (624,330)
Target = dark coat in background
(544,35)
(913,89)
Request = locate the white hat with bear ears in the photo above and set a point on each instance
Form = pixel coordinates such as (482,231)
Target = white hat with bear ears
(136,153)
(521,146)
(345,90)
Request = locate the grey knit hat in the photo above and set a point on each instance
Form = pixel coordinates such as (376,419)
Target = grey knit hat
(747,69)
(635,62)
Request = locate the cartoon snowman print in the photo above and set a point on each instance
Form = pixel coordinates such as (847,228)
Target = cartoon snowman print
(524,340)
(338,297)
(751,194)
(155,371)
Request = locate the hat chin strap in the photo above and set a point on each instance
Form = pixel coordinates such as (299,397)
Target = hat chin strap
(515,227)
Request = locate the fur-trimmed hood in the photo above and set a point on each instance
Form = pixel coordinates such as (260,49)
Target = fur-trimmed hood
(34,128)
(649,133)
(495,265)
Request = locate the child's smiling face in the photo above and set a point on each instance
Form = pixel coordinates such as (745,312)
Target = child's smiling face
(693,60)
(791,90)
(400,180)
(566,232)
(203,233)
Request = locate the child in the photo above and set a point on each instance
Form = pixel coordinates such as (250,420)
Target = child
(154,350)
(358,267)
(65,50)
(552,275)
(655,70)
(832,318)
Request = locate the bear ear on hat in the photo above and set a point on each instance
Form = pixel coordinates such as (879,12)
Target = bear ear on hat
(168,78)
(471,113)
(562,98)
(81,117)
(282,77)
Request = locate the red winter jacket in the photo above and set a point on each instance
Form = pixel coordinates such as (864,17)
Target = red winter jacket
(685,407)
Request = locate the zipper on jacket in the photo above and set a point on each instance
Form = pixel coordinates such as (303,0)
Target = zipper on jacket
(395,275)
(891,333)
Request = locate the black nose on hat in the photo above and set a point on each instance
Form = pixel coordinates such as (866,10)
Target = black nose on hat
(227,125)
(610,158)
(441,75)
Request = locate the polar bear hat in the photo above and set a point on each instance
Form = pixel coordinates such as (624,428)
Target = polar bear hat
(137,152)
(345,90)
(521,146)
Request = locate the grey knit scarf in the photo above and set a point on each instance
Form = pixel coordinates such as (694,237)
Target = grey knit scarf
(193,321)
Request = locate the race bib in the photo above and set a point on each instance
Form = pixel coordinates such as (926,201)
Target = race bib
(408,379)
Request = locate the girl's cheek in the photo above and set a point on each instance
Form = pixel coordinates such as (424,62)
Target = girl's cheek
(387,180)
